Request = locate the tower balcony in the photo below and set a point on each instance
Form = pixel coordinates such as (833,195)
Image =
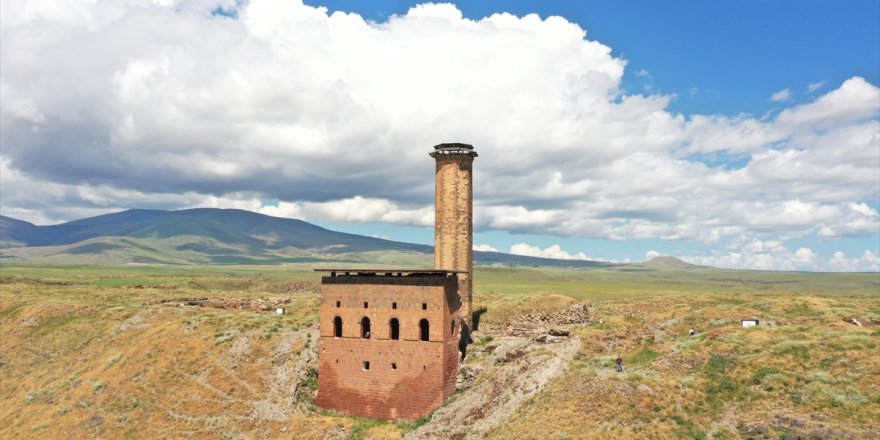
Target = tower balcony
(453,149)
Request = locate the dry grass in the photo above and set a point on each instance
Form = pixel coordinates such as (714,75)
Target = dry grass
(87,352)
(805,372)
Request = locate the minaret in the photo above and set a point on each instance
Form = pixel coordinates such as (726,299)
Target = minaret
(454,218)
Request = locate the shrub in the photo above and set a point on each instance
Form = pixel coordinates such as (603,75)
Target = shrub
(724,385)
(114,359)
(686,429)
(223,338)
(98,386)
(483,341)
(758,376)
(719,364)
(644,355)
(796,350)
(821,376)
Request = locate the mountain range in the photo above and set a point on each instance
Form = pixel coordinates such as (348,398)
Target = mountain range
(217,236)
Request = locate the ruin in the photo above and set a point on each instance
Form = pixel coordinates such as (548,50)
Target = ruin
(390,338)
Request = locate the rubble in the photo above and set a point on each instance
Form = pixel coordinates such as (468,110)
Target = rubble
(466,376)
(545,327)
(252,304)
(862,322)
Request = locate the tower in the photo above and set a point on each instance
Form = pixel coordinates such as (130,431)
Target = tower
(454,218)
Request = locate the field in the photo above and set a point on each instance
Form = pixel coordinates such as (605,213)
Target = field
(191,352)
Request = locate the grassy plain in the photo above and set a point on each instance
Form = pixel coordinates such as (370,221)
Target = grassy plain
(90,351)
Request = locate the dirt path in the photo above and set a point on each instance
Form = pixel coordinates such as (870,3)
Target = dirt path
(511,370)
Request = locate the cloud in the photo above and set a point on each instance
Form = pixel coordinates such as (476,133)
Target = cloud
(812,87)
(554,251)
(360,209)
(804,256)
(854,100)
(781,96)
(650,255)
(332,114)
(868,261)
(775,255)
(484,248)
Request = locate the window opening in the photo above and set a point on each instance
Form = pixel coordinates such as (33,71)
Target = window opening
(424,306)
(394,327)
(393,366)
(393,305)
(337,327)
(338,303)
(366,305)
(365,328)
(366,365)
(453,328)
(424,330)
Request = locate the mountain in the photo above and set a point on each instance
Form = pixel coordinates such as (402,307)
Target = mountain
(14,233)
(668,262)
(230,226)
(209,235)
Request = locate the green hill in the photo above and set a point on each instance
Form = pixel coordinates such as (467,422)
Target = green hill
(219,236)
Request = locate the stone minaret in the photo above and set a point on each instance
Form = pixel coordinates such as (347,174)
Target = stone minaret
(454,218)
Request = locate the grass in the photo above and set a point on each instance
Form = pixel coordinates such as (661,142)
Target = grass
(643,356)
(82,344)
(804,360)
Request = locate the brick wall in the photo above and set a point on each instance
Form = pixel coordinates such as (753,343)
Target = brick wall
(407,378)
(453,222)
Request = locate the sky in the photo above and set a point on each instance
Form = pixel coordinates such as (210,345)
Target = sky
(733,134)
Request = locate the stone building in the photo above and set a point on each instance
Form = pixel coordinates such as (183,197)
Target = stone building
(389,343)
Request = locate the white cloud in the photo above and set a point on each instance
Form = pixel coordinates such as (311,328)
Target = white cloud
(854,100)
(812,87)
(650,255)
(781,96)
(804,256)
(484,248)
(554,251)
(360,209)
(867,262)
(776,256)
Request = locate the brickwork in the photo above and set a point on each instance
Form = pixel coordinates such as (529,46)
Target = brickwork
(406,378)
(453,222)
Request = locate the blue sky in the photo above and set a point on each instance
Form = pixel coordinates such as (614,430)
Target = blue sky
(736,134)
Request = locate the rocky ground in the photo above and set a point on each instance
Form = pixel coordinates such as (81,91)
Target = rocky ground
(210,359)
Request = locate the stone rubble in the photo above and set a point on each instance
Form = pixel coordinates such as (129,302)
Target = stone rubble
(545,327)
(252,304)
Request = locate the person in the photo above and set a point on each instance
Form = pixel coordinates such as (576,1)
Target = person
(619,364)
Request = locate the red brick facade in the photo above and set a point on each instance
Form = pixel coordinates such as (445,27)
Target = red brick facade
(405,378)
(454,217)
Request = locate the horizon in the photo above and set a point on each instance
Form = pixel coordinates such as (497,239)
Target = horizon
(647,259)
(742,136)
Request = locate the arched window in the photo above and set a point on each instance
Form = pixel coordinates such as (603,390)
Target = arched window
(365,328)
(453,328)
(337,327)
(394,326)
(424,330)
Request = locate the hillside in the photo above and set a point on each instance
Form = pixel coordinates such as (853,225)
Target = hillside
(218,236)
(191,352)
